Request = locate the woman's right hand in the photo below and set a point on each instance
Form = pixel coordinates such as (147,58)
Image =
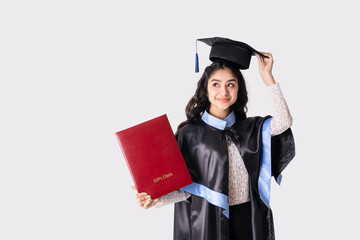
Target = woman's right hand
(144,200)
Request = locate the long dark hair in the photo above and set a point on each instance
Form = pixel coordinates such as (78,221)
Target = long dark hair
(200,102)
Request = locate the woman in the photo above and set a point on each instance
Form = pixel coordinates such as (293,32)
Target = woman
(230,157)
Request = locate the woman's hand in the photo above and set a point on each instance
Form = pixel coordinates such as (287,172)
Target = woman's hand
(144,200)
(265,68)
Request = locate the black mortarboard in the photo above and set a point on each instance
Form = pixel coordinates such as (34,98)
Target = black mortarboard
(233,51)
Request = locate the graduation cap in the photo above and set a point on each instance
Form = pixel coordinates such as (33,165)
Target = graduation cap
(236,52)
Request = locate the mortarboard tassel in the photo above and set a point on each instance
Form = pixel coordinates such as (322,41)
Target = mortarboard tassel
(196,60)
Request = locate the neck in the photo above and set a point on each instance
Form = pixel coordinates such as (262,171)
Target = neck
(219,113)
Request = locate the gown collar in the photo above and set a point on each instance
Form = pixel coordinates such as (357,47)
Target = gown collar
(217,122)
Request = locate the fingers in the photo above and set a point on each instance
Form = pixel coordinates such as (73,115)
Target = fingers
(155,201)
(269,55)
(143,199)
(265,63)
(260,59)
(266,54)
(152,203)
(147,203)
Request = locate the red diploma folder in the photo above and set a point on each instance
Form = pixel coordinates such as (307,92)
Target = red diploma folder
(153,157)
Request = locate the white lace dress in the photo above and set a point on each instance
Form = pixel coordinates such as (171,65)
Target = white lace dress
(238,175)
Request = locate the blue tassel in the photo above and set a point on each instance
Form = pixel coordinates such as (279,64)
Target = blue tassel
(196,59)
(196,63)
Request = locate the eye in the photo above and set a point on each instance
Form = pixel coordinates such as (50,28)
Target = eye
(231,85)
(215,84)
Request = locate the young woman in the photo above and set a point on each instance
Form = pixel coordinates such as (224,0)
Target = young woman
(230,157)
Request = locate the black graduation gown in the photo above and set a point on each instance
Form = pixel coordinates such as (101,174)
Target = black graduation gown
(205,152)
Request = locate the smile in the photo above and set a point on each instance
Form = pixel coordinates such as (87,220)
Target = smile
(223,100)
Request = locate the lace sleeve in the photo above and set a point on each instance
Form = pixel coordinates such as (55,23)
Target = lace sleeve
(173,197)
(282,119)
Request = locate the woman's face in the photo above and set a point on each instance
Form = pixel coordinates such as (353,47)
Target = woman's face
(222,90)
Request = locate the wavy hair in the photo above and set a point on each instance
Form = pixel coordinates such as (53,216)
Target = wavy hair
(200,102)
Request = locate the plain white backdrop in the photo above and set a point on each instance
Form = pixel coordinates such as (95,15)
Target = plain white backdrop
(74,72)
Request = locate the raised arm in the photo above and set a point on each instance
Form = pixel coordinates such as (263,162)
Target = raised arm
(282,118)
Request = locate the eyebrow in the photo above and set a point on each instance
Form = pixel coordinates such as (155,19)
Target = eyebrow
(217,80)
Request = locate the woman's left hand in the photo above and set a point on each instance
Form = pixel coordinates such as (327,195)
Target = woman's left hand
(144,200)
(265,68)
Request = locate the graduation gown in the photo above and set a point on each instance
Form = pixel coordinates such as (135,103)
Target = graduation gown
(204,148)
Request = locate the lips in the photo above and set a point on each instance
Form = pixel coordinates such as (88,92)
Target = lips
(223,100)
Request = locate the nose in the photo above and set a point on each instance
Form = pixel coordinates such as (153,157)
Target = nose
(224,91)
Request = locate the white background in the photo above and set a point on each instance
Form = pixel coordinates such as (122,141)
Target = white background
(74,72)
